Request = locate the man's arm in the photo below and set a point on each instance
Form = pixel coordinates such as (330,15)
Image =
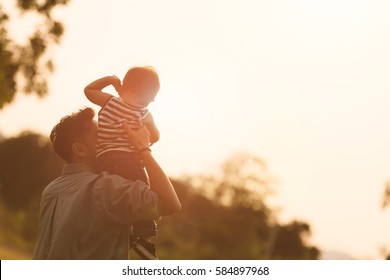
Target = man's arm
(168,202)
(94,92)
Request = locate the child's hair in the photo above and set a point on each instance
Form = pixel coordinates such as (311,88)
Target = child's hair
(69,130)
(139,80)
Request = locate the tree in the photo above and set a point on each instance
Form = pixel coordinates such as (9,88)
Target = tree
(386,196)
(224,216)
(289,242)
(227,216)
(385,204)
(25,66)
(27,165)
(244,180)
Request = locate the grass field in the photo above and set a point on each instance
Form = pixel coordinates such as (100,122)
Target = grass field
(9,253)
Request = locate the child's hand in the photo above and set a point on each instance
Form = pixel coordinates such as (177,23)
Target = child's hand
(116,83)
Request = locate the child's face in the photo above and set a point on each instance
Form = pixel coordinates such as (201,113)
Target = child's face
(140,98)
(147,98)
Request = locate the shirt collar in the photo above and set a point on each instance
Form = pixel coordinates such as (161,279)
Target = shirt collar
(70,168)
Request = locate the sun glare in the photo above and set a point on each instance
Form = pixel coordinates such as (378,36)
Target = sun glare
(339,11)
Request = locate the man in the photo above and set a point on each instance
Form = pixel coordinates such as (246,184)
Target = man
(86,215)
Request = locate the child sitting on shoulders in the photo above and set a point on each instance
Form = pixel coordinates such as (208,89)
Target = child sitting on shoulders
(114,154)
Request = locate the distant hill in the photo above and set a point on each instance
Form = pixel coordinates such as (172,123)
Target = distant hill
(335,255)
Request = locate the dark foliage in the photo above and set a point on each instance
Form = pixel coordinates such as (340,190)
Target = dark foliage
(28,60)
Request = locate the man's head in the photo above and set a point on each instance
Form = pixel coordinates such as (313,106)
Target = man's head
(140,84)
(74,137)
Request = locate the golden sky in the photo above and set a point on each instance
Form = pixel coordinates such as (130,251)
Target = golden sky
(302,84)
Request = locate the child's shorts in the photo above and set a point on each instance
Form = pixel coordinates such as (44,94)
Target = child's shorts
(125,164)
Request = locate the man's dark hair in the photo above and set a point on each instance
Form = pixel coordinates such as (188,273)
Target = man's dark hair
(69,130)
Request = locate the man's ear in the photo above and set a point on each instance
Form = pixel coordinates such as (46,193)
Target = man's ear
(79,149)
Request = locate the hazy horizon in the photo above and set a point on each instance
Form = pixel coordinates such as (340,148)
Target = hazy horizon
(300,84)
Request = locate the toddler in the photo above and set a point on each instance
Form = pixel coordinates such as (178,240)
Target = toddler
(114,154)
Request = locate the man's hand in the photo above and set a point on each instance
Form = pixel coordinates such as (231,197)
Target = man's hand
(168,202)
(140,138)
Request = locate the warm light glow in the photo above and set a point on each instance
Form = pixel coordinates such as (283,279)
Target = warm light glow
(302,84)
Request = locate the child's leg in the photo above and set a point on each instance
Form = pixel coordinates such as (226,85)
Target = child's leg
(129,166)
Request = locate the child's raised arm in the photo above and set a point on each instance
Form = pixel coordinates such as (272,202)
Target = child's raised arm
(94,92)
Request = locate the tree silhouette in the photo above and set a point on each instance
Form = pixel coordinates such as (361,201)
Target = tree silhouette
(27,165)
(28,60)
(290,242)
(226,216)
(245,181)
(386,196)
(385,203)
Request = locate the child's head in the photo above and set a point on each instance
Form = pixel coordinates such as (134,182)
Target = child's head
(140,85)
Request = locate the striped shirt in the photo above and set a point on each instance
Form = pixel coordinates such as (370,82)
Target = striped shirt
(111,135)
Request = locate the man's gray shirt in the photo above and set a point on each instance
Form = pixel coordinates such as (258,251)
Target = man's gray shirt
(85,215)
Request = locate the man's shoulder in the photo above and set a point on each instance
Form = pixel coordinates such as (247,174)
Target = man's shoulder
(115,184)
(126,200)
(108,178)
(72,177)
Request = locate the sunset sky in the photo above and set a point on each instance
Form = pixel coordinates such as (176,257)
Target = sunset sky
(302,84)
